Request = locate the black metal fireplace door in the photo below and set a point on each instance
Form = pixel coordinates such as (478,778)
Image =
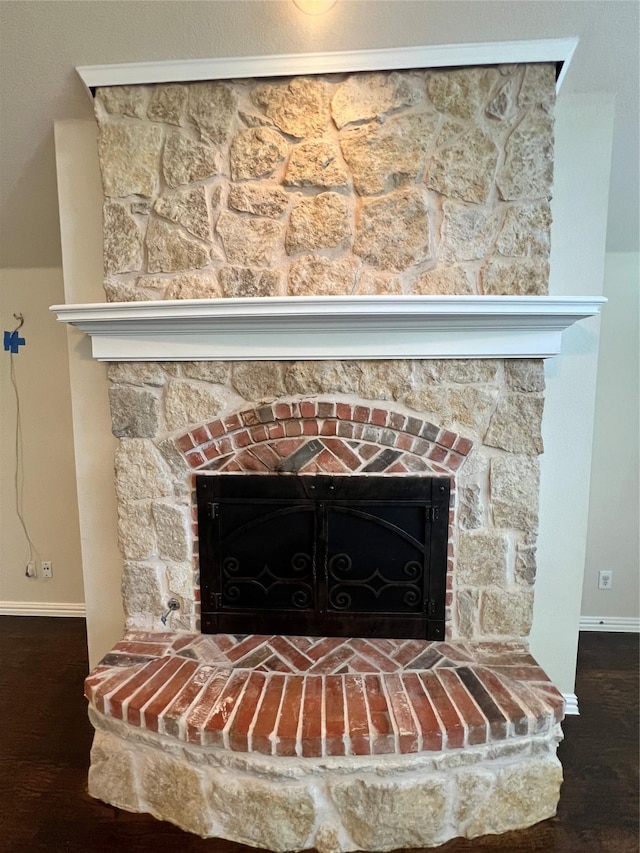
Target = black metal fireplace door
(322,555)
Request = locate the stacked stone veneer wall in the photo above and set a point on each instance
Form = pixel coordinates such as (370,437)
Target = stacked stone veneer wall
(428,182)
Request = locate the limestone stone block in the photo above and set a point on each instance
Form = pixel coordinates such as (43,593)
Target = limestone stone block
(501,106)
(317,222)
(386,815)
(243,281)
(468,231)
(254,120)
(121,291)
(193,286)
(450,130)
(207,371)
(112,774)
(135,530)
(168,103)
(122,246)
(526,564)
(482,558)
(299,108)
(445,281)
(321,377)
(372,282)
(467,606)
(314,275)
(136,373)
(172,531)
(174,792)
(465,169)
(516,424)
(249,242)
(365,96)
(140,471)
(188,208)
(524,374)
(169,250)
(129,158)
(186,161)
(174,459)
(456,407)
(385,380)
(461,92)
(212,107)
(277,818)
(515,485)
(316,163)
(470,508)
(393,231)
(142,593)
(507,614)
(189,403)
(527,172)
(258,380)
(517,277)
(385,156)
(122,100)
(538,87)
(526,230)
(256,152)
(260,199)
(135,412)
(463,371)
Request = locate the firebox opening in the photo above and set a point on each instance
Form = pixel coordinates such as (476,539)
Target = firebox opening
(323,555)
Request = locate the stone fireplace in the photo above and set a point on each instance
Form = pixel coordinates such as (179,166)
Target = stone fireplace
(420,183)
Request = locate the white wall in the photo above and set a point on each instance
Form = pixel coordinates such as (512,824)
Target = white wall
(614,510)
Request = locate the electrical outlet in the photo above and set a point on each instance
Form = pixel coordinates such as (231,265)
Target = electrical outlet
(31,570)
(605,579)
(46,568)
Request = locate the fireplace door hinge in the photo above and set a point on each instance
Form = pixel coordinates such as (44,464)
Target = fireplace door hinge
(214,510)
(430,607)
(432,513)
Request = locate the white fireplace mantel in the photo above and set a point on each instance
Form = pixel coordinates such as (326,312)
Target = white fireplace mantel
(329,327)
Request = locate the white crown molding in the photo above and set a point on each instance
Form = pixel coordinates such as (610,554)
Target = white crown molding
(617,624)
(41,608)
(385,59)
(571,705)
(329,327)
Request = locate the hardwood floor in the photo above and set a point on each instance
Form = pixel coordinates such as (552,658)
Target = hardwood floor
(45,739)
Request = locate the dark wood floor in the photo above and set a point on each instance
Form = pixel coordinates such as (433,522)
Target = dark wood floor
(45,739)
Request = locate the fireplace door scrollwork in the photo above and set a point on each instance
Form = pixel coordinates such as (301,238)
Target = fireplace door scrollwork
(322,555)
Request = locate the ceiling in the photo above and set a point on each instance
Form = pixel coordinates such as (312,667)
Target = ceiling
(41,43)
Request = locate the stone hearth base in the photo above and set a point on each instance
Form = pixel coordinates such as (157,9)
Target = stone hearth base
(338,744)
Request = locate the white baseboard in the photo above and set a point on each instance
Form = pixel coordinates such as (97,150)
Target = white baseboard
(571,705)
(41,608)
(618,624)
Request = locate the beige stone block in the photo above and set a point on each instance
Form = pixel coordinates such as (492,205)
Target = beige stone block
(372,282)
(135,412)
(501,106)
(314,275)
(258,380)
(389,155)
(142,592)
(463,371)
(445,281)
(321,377)
(121,291)
(263,815)
(506,614)
(365,96)
(256,152)
(526,565)
(140,471)
(189,403)
(173,792)
(467,606)
(135,530)
(468,231)
(515,485)
(521,277)
(387,815)
(538,87)
(450,130)
(129,158)
(393,231)
(172,531)
(207,371)
(249,242)
(260,199)
(482,558)
(524,374)
(136,372)
(461,92)
(212,107)
(122,246)
(459,408)
(254,120)
(112,774)
(466,168)
(470,507)
(188,208)
(299,108)
(528,167)
(238,282)
(526,230)
(192,286)
(180,580)
(169,250)
(385,380)
(186,161)
(516,424)
(122,100)
(316,163)
(317,222)
(174,459)
(168,103)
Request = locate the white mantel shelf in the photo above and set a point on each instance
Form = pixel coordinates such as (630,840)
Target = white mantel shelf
(329,327)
